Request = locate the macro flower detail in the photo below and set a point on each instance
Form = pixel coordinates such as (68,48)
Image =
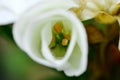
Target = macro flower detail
(53,36)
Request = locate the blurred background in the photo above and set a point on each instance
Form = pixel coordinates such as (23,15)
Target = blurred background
(103,58)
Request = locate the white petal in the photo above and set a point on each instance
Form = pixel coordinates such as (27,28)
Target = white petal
(115,1)
(114,9)
(101,4)
(11,9)
(46,37)
(92,6)
(32,43)
(18,6)
(77,2)
(6,16)
(78,58)
(87,14)
(76,64)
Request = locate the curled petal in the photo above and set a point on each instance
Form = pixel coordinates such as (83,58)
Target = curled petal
(33,34)
(78,59)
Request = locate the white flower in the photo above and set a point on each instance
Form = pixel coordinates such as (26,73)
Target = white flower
(53,36)
(105,11)
(10,10)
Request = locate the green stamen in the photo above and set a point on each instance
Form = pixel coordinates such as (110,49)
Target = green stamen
(60,40)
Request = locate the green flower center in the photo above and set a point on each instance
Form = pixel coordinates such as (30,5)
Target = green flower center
(60,40)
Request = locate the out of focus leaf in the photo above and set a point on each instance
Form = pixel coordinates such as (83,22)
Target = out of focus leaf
(112,31)
(94,34)
(6,32)
(113,54)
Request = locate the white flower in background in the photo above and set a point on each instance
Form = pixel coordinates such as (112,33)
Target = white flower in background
(105,11)
(53,36)
(10,10)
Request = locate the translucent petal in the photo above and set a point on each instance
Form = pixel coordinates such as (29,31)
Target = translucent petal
(115,1)
(87,14)
(92,6)
(10,10)
(32,43)
(46,37)
(77,63)
(101,4)
(6,16)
